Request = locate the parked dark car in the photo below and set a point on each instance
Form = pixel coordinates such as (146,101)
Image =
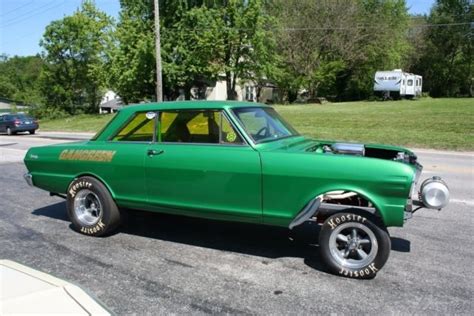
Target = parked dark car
(14,123)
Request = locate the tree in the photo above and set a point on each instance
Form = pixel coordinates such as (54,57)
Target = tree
(334,47)
(247,39)
(383,46)
(19,78)
(447,62)
(314,42)
(74,72)
(191,49)
(132,58)
(201,40)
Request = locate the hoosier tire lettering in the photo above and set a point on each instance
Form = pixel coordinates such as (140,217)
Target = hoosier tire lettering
(347,217)
(359,273)
(354,244)
(99,204)
(94,229)
(77,186)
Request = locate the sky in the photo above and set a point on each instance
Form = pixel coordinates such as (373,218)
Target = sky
(22,22)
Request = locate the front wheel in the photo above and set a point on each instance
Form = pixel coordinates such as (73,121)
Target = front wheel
(352,245)
(32,132)
(91,208)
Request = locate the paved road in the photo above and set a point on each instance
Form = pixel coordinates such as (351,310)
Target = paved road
(160,264)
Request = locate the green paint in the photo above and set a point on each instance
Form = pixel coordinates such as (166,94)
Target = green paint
(265,183)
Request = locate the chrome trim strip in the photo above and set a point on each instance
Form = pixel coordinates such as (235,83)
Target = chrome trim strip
(309,210)
(28,178)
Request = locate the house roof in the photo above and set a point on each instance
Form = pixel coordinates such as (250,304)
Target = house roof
(112,104)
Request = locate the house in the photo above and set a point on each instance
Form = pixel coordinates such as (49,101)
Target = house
(110,102)
(246,91)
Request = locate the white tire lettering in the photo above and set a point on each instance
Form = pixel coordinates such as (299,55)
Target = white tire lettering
(373,268)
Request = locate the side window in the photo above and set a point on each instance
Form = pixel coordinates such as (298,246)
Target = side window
(190,126)
(410,82)
(139,129)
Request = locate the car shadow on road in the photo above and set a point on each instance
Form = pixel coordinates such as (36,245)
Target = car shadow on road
(400,244)
(56,211)
(250,239)
(258,240)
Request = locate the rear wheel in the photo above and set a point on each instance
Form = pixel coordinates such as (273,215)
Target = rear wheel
(9,131)
(91,208)
(352,245)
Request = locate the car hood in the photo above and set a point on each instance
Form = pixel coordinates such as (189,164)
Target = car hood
(309,145)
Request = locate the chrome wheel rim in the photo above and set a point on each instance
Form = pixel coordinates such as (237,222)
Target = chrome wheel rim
(87,207)
(353,245)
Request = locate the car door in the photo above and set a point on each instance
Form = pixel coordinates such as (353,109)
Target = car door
(403,85)
(410,90)
(201,166)
(126,175)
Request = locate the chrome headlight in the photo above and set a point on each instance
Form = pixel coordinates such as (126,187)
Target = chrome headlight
(434,193)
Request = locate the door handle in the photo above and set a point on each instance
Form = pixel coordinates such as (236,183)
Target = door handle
(153,152)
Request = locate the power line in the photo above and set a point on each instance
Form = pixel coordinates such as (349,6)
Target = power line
(24,18)
(28,12)
(296,29)
(16,9)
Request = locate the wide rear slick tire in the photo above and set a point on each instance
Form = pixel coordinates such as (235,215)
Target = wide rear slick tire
(353,245)
(91,207)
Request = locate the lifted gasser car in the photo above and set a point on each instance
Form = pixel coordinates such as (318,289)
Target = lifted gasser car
(238,162)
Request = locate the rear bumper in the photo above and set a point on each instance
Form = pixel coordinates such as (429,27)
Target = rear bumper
(28,178)
(25,128)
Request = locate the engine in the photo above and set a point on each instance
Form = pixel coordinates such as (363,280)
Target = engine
(368,151)
(348,149)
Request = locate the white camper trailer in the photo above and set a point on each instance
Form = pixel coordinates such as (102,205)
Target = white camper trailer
(397,84)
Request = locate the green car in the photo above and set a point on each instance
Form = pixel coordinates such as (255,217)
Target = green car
(241,162)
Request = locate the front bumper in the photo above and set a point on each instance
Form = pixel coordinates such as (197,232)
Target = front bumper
(28,178)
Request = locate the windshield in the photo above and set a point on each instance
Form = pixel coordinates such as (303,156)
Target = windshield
(264,124)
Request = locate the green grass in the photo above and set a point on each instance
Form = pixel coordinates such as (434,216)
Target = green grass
(77,123)
(425,123)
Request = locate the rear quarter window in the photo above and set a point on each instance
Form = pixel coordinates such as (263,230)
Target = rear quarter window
(139,129)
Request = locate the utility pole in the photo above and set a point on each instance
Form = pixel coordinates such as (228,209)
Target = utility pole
(159,77)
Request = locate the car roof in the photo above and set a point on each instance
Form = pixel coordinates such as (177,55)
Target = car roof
(189,105)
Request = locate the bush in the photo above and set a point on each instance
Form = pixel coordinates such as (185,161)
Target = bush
(43,112)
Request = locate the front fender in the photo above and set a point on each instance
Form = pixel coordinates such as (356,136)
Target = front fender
(291,180)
